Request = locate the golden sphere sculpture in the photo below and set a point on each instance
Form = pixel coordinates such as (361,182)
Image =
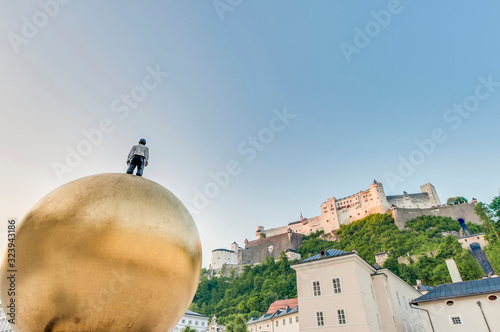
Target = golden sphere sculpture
(108,252)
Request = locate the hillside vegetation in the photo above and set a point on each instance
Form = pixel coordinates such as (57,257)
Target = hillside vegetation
(259,285)
(377,233)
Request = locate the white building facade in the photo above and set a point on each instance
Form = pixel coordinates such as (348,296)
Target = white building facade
(222,257)
(467,306)
(283,320)
(194,320)
(339,291)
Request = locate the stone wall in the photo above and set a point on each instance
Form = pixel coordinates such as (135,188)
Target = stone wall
(464,211)
(259,250)
(478,238)
(406,259)
(411,201)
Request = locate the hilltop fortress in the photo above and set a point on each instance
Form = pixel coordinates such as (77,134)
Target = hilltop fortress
(338,212)
(335,213)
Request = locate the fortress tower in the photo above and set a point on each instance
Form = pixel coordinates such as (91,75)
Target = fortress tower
(431,191)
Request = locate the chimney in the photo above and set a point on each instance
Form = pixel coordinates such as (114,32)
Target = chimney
(453,269)
(354,251)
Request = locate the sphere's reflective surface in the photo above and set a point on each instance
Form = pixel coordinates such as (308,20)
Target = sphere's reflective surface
(109,252)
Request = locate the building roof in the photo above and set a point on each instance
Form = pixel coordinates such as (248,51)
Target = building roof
(282,304)
(278,313)
(192,313)
(461,289)
(417,195)
(222,250)
(424,288)
(329,253)
(467,236)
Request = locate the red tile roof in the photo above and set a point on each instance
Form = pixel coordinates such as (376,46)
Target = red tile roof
(281,304)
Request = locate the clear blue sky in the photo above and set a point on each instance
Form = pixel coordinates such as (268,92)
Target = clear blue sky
(359,101)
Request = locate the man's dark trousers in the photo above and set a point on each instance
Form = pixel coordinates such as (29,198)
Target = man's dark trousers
(137,161)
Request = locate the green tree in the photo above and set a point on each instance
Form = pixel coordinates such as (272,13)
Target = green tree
(194,307)
(188,329)
(495,206)
(237,325)
(468,266)
(485,214)
(449,248)
(456,200)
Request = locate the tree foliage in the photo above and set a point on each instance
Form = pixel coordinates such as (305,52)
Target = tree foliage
(250,294)
(489,214)
(456,200)
(486,214)
(237,325)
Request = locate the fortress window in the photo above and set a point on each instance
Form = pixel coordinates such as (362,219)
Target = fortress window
(492,298)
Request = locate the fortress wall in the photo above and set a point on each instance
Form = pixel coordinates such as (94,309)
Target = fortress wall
(412,201)
(464,211)
(259,250)
(315,224)
(296,228)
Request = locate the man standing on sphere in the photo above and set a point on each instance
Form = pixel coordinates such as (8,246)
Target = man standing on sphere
(138,156)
